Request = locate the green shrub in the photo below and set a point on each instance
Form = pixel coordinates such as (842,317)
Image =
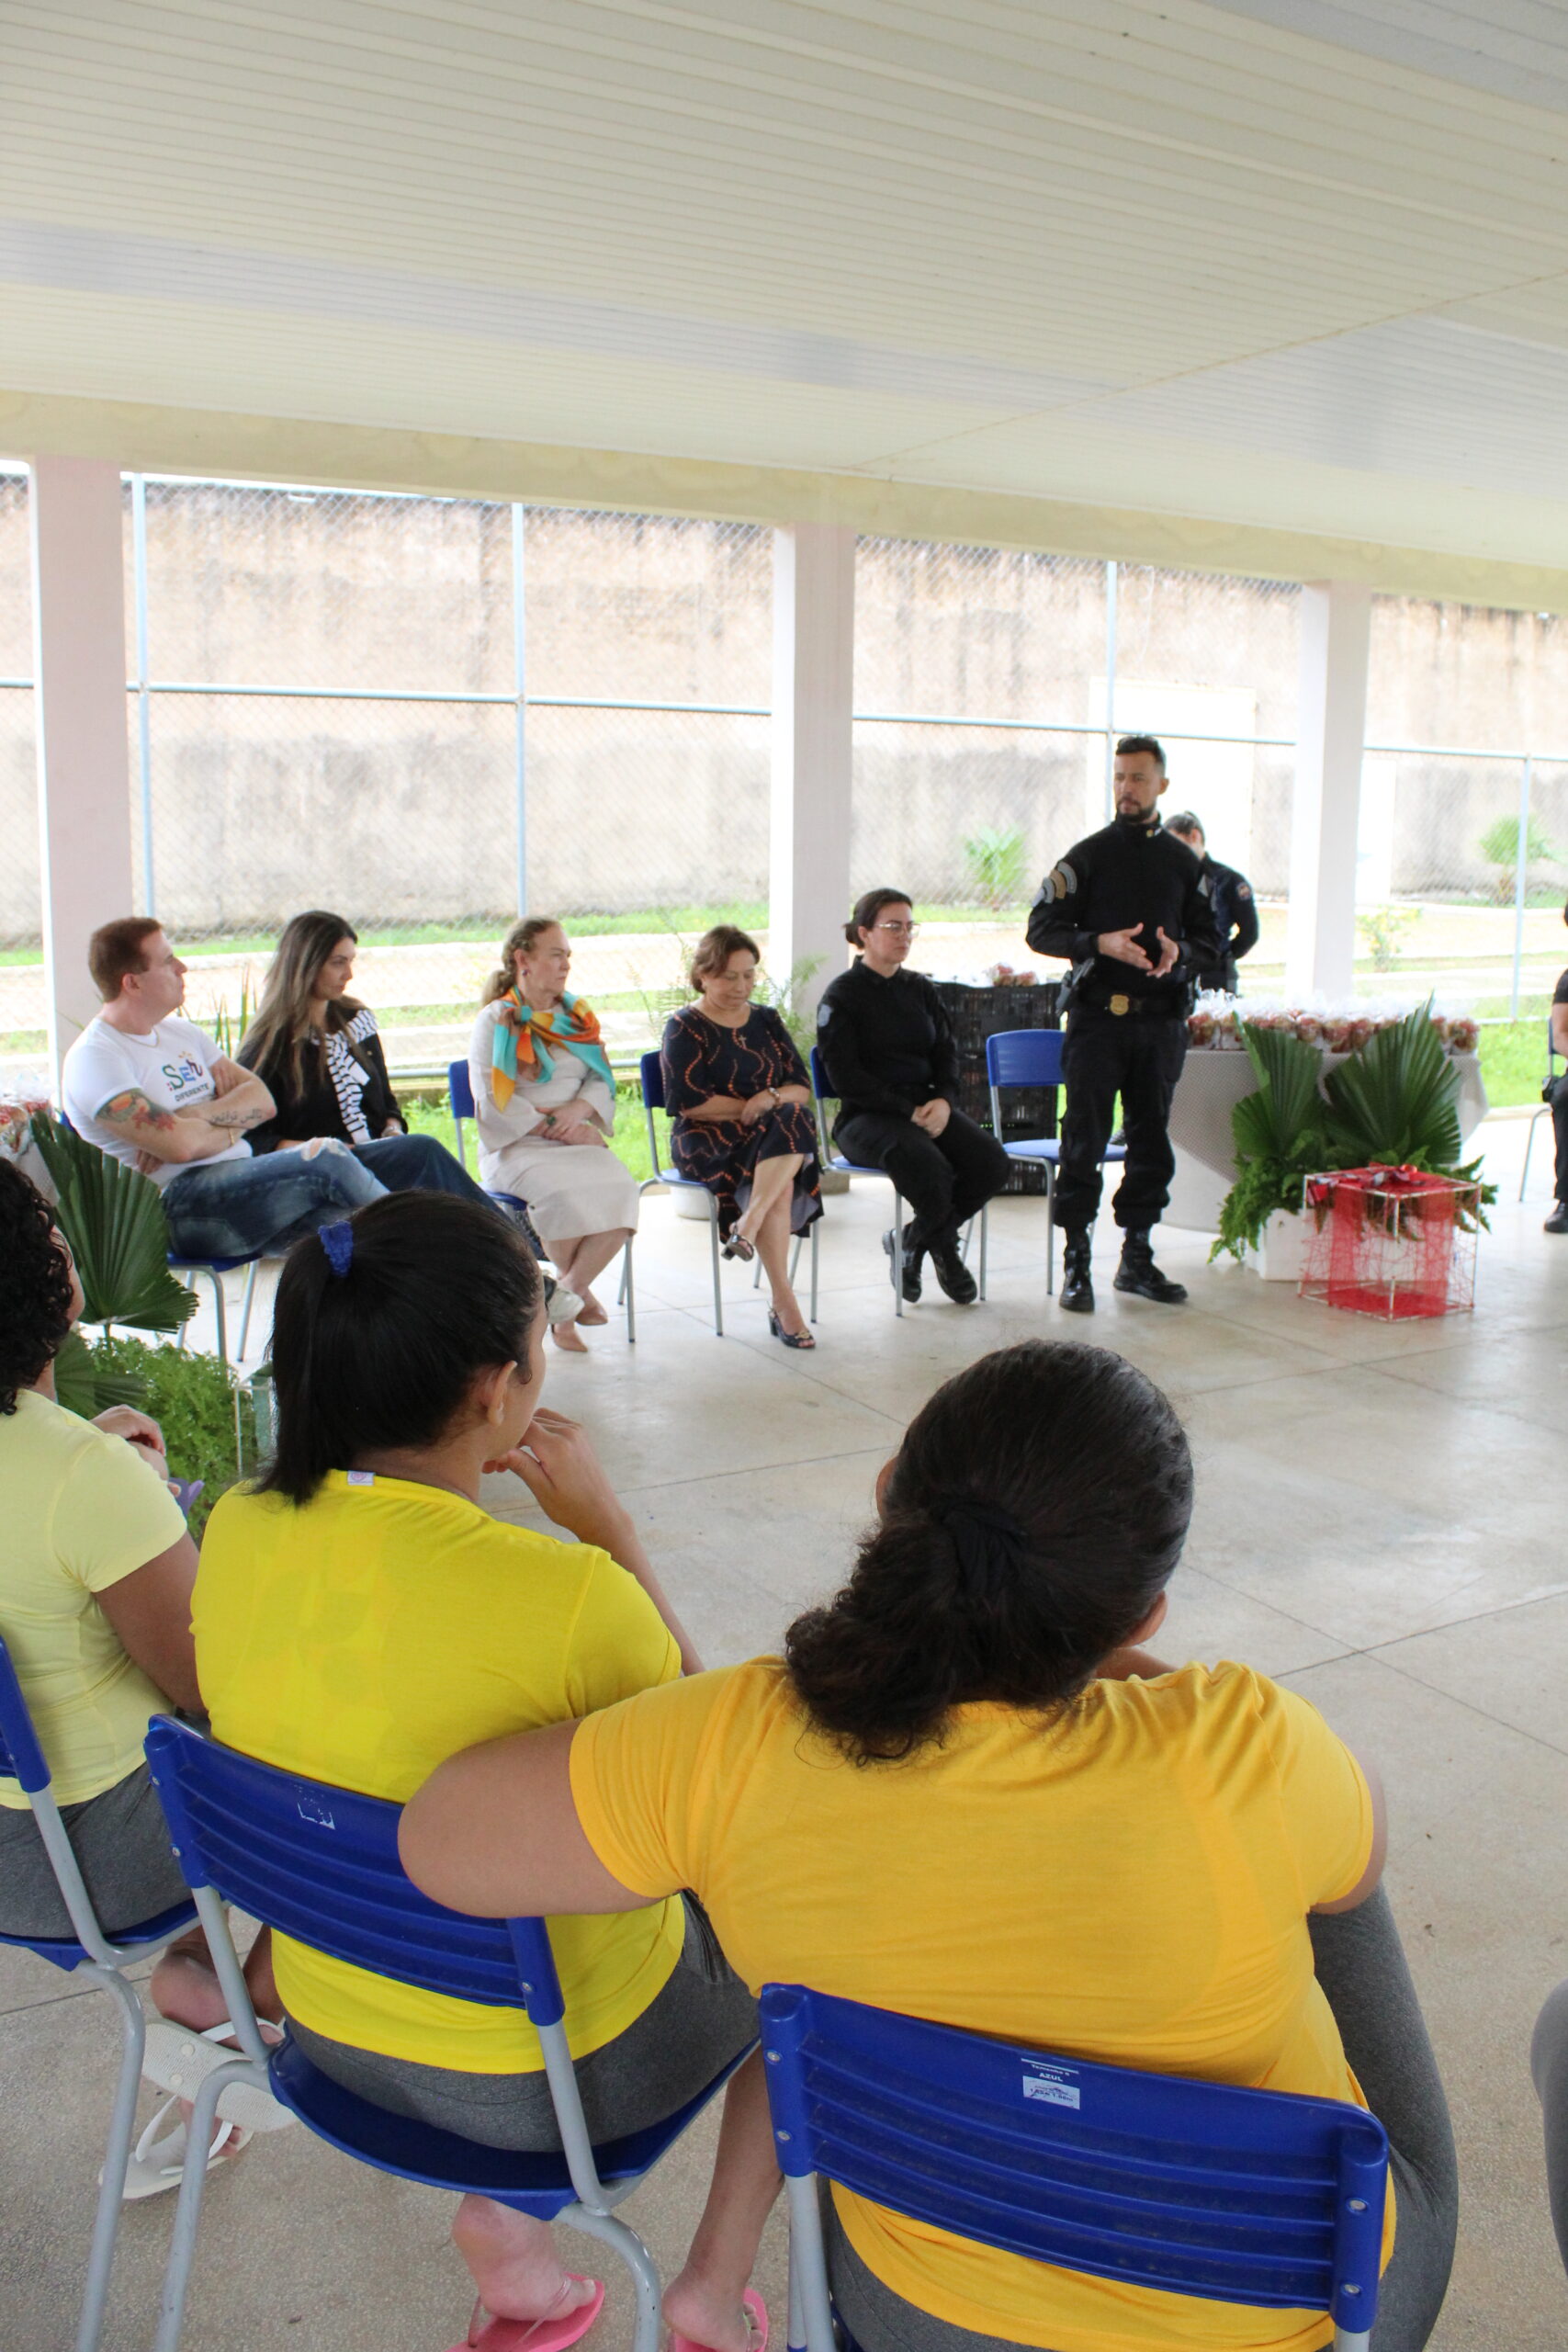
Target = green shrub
(995,857)
(192,1398)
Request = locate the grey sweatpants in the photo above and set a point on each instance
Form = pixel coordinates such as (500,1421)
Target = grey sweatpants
(121,1844)
(1361,1967)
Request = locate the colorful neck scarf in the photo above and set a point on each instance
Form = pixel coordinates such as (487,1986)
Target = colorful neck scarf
(520,1056)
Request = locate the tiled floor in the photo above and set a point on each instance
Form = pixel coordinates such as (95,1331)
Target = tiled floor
(1381,1521)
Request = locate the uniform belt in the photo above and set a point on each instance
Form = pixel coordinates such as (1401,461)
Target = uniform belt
(1121,1005)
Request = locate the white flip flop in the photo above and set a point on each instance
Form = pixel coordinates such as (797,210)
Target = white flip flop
(178,2059)
(159,2165)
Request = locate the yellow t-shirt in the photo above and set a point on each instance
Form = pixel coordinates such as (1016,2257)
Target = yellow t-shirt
(82,1510)
(1127,1883)
(366,1638)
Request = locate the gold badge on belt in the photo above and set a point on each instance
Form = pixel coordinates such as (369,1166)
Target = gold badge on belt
(1121,1004)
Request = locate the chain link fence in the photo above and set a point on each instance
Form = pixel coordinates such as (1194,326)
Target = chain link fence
(990,685)
(428,713)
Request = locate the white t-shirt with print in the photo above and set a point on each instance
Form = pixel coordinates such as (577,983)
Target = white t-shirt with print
(172,1065)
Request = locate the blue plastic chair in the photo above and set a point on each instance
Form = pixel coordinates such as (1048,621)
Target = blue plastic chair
(822,1093)
(460,1094)
(1032,1057)
(650,1069)
(1200,2188)
(102,1960)
(1542,1111)
(321,1864)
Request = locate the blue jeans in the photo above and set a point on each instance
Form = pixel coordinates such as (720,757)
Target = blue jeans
(241,1207)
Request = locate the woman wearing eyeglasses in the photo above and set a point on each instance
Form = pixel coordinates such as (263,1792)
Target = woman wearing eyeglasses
(888,1052)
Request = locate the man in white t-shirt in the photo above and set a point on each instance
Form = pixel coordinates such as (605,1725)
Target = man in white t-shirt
(154,1091)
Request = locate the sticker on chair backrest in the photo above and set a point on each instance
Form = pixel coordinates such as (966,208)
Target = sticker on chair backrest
(1055,2085)
(310,1808)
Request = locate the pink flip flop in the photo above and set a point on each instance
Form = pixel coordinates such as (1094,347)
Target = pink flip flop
(536,2335)
(756,2327)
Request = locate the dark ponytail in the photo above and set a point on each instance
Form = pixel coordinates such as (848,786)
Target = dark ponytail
(381,1323)
(868,906)
(1031,1520)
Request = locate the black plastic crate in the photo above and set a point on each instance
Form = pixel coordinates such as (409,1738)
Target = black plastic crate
(1030,1112)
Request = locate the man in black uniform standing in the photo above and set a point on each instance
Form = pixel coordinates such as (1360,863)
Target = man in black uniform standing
(1235,908)
(1130,907)
(1556,1092)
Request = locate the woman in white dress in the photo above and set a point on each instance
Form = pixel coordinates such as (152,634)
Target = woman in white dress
(544,1097)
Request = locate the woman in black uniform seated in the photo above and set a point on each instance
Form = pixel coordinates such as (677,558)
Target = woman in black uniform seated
(887,1049)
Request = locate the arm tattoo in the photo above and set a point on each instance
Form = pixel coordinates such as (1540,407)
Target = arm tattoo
(132,1110)
(218,1114)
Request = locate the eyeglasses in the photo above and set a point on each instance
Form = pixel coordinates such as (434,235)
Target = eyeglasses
(899,930)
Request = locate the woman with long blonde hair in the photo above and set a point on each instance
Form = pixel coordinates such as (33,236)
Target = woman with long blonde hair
(545,1100)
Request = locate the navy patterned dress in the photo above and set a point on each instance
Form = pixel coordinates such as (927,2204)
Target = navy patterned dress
(702,1058)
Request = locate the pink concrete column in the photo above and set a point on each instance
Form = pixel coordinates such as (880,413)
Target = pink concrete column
(83,768)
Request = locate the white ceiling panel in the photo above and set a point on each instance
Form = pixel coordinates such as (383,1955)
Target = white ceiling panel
(1255,259)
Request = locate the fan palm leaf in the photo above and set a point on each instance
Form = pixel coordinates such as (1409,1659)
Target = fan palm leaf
(1396,1100)
(119,1234)
(1283,1117)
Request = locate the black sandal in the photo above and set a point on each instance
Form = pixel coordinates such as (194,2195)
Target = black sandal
(737,1246)
(790,1339)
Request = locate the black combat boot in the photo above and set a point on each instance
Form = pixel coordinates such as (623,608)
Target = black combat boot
(1077,1293)
(950,1271)
(911,1268)
(1558,1221)
(1138,1274)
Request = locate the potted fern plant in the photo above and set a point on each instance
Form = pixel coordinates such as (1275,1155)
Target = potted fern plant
(1392,1102)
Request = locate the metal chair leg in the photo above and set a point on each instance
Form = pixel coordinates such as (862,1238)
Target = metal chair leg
(250,1301)
(188,1276)
(1530,1147)
(718,1290)
(220,1310)
(628,1293)
(808,2262)
(122,2130)
(897,1255)
(1050,1230)
(626,2242)
(985,1241)
(187,2210)
(796,2338)
(816,1227)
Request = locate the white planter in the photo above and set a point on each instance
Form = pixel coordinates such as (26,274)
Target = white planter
(1284,1248)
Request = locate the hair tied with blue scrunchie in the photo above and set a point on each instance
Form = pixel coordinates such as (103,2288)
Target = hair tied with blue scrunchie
(990,1544)
(337,1240)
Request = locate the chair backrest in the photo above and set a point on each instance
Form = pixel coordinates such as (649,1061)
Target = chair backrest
(1200,2188)
(821,1091)
(651,1070)
(1024,1057)
(21,1757)
(321,1864)
(459,1093)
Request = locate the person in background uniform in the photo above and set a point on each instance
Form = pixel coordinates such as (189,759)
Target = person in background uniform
(1555,1091)
(1131,910)
(887,1049)
(1235,908)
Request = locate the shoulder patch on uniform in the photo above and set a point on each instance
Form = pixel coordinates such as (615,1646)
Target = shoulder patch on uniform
(1060,883)
(1244,889)
(824,1014)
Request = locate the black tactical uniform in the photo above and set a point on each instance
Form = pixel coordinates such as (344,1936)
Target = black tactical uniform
(1126,1029)
(1236,915)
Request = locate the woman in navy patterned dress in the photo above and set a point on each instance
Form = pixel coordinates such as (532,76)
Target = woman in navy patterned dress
(740,1102)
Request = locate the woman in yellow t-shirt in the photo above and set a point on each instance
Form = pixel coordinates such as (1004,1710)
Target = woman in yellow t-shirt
(967,1793)
(96,1577)
(359,1616)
